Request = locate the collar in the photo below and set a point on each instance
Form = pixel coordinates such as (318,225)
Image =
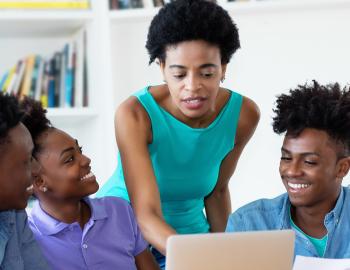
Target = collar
(333,214)
(48,225)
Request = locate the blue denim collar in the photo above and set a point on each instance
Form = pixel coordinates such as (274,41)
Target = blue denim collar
(333,215)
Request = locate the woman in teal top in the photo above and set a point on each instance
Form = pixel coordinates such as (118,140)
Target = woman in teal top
(179,142)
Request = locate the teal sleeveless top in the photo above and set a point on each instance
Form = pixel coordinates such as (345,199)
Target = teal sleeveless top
(186,162)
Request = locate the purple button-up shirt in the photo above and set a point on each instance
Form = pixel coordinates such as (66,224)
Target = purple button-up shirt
(110,239)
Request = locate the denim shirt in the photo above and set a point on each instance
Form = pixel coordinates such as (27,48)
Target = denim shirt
(273,214)
(18,249)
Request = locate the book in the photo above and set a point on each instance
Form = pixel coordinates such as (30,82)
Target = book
(79,69)
(69,75)
(20,73)
(45,84)
(34,77)
(27,79)
(49,71)
(85,75)
(56,73)
(2,81)
(9,79)
(44,4)
(39,82)
(113,4)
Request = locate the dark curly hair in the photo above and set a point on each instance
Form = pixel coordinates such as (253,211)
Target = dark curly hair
(34,119)
(315,106)
(186,20)
(10,115)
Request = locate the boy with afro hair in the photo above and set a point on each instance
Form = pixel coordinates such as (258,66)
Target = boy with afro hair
(314,161)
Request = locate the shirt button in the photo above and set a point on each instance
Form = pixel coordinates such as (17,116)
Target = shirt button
(85,246)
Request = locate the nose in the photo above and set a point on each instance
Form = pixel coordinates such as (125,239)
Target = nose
(85,161)
(192,82)
(291,169)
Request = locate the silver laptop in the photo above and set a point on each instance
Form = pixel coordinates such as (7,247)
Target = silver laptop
(259,250)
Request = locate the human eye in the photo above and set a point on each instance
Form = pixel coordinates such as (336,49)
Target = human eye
(207,74)
(285,158)
(68,159)
(80,148)
(310,162)
(179,76)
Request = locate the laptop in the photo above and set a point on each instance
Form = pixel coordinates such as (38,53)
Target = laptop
(258,250)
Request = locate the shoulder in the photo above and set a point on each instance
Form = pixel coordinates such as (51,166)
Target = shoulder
(131,110)
(346,190)
(259,214)
(21,216)
(112,205)
(263,205)
(250,113)
(132,122)
(248,119)
(250,108)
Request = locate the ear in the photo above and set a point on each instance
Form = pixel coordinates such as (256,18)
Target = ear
(223,69)
(162,68)
(343,167)
(39,184)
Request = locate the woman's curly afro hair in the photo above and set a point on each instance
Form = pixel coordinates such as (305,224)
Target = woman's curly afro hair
(186,20)
(315,106)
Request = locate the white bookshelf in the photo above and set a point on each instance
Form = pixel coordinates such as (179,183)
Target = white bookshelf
(284,42)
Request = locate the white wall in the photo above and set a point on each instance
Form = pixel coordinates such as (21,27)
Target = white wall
(281,47)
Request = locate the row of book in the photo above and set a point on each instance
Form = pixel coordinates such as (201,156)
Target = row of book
(127,4)
(57,81)
(45,4)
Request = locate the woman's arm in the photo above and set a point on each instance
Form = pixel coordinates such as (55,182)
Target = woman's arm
(133,134)
(218,203)
(146,261)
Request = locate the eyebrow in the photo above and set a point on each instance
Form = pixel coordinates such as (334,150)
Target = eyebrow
(66,150)
(69,148)
(303,154)
(202,66)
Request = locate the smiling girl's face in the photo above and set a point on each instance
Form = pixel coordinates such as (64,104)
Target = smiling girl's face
(65,171)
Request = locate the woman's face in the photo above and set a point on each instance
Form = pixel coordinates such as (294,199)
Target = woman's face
(192,71)
(65,172)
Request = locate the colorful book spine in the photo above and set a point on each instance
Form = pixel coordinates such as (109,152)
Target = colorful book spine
(2,82)
(84,4)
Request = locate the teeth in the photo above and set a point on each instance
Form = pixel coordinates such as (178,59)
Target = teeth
(298,186)
(193,100)
(90,174)
(30,188)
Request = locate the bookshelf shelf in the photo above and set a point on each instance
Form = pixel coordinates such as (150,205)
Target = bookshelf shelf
(132,14)
(40,23)
(239,7)
(283,5)
(71,112)
(62,117)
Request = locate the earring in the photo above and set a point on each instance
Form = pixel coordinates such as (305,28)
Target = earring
(222,79)
(44,189)
(165,81)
